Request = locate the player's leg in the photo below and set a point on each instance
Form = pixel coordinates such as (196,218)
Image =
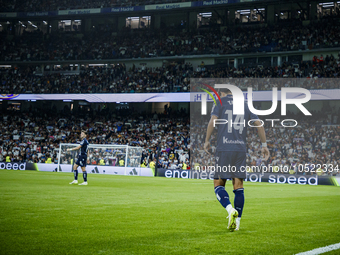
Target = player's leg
(220,180)
(223,198)
(83,168)
(221,194)
(84,176)
(239,199)
(221,175)
(237,183)
(75,172)
(240,175)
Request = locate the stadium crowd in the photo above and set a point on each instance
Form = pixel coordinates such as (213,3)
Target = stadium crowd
(98,80)
(172,77)
(100,43)
(34,136)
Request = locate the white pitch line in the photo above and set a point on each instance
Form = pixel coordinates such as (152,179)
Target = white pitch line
(321,250)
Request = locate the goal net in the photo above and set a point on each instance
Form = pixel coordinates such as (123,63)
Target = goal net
(117,158)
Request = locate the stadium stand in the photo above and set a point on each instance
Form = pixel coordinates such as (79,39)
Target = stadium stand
(29,54)
(168,78)
(100,43)
(34,138)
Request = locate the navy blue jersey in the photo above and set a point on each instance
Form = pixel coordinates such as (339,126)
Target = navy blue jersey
(231,137)
(84,146)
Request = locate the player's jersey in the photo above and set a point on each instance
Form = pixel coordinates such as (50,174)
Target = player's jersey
(84,146)
(231,137)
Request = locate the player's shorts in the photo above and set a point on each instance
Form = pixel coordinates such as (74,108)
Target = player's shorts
(81,161)
(230,164)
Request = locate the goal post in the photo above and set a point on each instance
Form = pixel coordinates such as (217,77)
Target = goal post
(101,155)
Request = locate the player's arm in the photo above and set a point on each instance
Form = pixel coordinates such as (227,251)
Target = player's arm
(262,135)
(75,148)
(210,129)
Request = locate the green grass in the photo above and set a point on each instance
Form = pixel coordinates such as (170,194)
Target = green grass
(40,213)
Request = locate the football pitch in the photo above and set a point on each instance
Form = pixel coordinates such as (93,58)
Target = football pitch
(42,214)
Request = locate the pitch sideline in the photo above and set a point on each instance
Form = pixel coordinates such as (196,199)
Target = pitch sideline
(321,250)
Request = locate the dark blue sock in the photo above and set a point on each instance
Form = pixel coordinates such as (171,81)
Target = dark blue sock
(222,196)
(239,201)
(76,174)
(85,176)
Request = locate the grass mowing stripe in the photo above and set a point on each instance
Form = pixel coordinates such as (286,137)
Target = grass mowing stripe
(321,250)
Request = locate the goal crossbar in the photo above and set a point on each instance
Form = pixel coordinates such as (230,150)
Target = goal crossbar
(129,153)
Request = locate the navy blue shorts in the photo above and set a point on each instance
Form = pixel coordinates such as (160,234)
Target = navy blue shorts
(230,164)
(81,161)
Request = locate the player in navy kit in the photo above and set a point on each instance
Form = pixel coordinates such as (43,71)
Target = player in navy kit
(82,158)
(231,153)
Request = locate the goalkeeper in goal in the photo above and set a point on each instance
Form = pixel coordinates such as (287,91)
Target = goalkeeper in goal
(82,158)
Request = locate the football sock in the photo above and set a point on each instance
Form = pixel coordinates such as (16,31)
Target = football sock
(239,201)
(238,221)
(76,175)
(228,208)
(223,197)
(85,176)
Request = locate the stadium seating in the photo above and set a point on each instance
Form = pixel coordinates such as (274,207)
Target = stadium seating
(32,139)
(100,44)
(170,78)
